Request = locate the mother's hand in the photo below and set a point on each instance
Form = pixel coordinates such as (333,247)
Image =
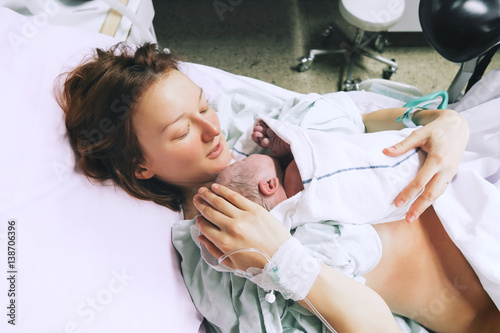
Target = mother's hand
(444,140)
(230,221)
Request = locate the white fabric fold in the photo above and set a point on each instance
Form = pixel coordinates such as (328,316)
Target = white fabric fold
(291,271)
(470,208)
(347,178)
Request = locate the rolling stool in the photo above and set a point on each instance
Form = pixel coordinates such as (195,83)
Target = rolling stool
(466,32)
(370,17)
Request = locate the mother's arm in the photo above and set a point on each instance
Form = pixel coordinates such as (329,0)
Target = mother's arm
(235,223)
(444,136)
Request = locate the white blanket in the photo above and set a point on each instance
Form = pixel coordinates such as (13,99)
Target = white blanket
(346,178)
(470,207)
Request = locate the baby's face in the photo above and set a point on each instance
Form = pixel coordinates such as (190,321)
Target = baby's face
(261,166)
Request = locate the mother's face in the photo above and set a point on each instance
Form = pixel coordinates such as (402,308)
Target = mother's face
(179,133)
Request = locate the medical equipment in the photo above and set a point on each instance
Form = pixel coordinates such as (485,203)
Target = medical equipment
(443,95)
(370,19)
(466,32)
(270,296)
(421,103)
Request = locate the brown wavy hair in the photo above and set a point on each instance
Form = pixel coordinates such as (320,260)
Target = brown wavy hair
(99,98)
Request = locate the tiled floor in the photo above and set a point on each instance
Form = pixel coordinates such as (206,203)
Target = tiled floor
(263,39)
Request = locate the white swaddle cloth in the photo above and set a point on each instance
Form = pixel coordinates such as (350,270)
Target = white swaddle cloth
(347,178)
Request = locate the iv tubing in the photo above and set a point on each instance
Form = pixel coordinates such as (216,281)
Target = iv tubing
(247,275)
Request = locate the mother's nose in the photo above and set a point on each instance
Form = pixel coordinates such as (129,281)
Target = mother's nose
(209,129)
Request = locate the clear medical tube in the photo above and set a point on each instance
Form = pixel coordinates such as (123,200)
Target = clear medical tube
(241,273)
(316,312)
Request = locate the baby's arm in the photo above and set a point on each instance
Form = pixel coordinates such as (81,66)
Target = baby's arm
(266,138)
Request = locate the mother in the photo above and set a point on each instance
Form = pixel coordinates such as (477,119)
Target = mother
(160,140)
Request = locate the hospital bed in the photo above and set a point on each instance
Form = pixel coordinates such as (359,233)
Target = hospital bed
(87,257)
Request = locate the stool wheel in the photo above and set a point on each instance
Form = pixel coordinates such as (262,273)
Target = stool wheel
(387,73)
(302,67)
(304,64)
(351,85)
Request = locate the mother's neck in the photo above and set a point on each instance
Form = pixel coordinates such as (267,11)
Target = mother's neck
(188,206)
(189,211)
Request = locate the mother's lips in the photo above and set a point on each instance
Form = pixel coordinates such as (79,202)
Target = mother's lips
(216,151)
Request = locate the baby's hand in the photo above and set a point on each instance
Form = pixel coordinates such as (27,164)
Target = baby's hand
(266,138)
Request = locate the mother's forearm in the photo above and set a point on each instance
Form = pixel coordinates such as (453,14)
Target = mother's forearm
(348,305)
(386,119)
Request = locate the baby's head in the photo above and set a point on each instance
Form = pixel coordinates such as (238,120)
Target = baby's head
(258,178)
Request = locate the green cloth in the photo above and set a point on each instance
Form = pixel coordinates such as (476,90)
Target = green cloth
(234,304)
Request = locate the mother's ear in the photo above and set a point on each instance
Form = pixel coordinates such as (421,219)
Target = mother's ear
(270,186)
(143,173)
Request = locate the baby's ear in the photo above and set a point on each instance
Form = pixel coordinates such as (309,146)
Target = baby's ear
(269,187)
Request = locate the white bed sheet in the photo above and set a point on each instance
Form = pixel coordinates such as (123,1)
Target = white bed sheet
(92,259)
(88,258)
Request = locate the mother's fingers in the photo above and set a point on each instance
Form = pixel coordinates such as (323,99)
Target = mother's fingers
(206,227)
(434,189)
(433,179)
(214,250)
(411,141)
(424,175)
(214,209)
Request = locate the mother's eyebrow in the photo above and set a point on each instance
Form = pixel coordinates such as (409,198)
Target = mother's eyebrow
(172,122)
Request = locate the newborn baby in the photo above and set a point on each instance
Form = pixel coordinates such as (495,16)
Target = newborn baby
(359,172)
(348,248)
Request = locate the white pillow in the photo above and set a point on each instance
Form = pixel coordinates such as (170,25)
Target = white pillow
(89,258)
